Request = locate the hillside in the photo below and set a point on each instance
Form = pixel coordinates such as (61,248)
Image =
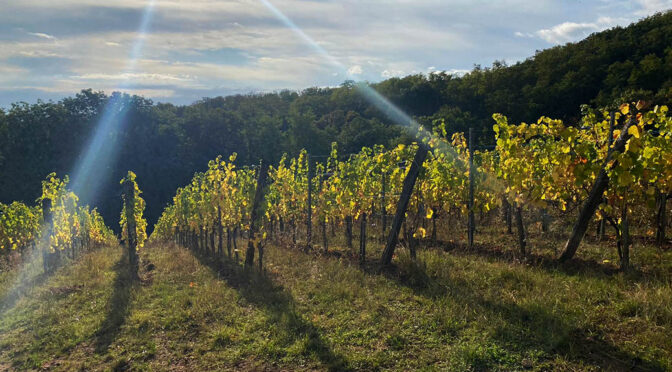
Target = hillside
(514,217)
(165,144)
(456,310)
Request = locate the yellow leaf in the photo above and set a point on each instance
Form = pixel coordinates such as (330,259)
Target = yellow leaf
(624,108)
(430,213)
(421,232)
(634,131)
(633,145)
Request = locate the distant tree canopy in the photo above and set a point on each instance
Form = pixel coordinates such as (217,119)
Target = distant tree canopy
(165,144)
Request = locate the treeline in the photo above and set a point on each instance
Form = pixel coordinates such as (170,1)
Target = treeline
(164,144)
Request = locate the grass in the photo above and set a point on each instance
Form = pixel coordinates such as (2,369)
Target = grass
(456,310)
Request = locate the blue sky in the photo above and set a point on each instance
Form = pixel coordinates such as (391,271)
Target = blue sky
(200,48)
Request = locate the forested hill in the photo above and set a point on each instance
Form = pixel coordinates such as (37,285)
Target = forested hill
(165,144)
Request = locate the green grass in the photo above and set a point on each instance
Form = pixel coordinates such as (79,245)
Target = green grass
(456,310)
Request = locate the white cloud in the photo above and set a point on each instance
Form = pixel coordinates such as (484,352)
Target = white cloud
(42,35)
(566,32)
(457,71)
(146,92)
(38,53)
(146,78)
(572,31)
(238,45)
(355,70)
(10,74)
(386,74)
(652,6)
(452,71)
(150,93)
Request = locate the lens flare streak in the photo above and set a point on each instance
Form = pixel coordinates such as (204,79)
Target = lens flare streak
(394,113)
(90,170)
(93,165)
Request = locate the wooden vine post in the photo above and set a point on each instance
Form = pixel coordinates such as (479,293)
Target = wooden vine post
(520,228)
(624,241)
(470,203)
(48,221)
(383,210)
(309,208)
(220,232)
(595,196)
(406,191)
(610,140)
(255,216)
(506,209)
(323,224)
(362,239)
(131,231)
(229,239)
(661,217)
(348,231)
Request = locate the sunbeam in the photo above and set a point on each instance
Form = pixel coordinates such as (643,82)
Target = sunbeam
(91,169)
(394,113)
(99,154)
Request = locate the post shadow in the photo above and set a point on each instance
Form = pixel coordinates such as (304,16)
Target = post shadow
(26,281)
(577,343)
(533,326)
(260,290)
(118,306)
(528,327)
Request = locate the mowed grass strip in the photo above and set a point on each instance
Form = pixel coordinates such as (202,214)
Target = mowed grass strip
(311,312)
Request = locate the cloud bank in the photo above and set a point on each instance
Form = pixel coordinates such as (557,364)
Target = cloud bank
(202,48)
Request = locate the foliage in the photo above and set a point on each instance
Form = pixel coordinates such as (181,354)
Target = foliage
(19,225)
(70,227)
(138,209)
(165,143)
(222,195)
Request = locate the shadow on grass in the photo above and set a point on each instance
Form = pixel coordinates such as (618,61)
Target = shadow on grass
(118,306)
(10,299)
(260,290)
(575,267)
(31,275)
(539,327)
(525,328)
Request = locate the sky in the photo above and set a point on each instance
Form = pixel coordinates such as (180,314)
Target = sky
(180,51)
